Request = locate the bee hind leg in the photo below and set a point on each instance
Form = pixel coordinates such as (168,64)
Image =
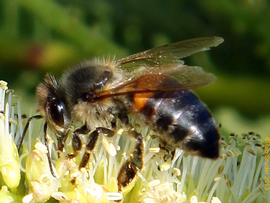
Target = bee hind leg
(129,169)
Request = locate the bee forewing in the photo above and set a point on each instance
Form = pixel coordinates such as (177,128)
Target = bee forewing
(188,77)
(170,53)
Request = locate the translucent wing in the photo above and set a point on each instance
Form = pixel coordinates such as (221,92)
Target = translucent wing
(168,54)
(150,70)
(188,77)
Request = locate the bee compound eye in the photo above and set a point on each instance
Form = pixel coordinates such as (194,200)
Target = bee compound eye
(57,109)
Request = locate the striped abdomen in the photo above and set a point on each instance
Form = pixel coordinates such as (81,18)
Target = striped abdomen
(181,120)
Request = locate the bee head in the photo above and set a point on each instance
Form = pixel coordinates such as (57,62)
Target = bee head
(52,105)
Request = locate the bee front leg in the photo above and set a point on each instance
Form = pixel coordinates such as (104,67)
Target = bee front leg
(92,142)
(45,139)
(26,128)
(48,152)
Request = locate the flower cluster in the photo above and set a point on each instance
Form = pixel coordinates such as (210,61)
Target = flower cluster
(168,174)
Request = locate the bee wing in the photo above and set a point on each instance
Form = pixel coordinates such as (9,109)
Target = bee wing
(168,54)
(151,69)
(187,77)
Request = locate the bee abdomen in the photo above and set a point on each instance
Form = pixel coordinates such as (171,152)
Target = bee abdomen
(181,119)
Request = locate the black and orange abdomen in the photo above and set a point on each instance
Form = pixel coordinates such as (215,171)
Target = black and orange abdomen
(181,120)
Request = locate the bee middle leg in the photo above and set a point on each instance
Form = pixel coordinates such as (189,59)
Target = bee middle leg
(76,141)
(93,137)
(130,168)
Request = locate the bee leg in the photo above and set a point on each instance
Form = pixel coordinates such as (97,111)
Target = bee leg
(76,141)
(48,152)
(129,169)
(60,143)
(92,142)
(45,139)
(26,128)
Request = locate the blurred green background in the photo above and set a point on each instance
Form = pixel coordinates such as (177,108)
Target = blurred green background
(39,36)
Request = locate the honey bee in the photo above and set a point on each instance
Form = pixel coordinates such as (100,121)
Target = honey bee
(154,86)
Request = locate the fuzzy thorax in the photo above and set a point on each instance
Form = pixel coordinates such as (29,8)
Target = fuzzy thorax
(94,114)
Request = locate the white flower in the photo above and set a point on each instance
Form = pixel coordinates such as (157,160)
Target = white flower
(168,174)
(9,158)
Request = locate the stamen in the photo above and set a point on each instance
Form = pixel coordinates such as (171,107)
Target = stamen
(110,148)
(154,183)
(167,175)
(114,196)
(154,149)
